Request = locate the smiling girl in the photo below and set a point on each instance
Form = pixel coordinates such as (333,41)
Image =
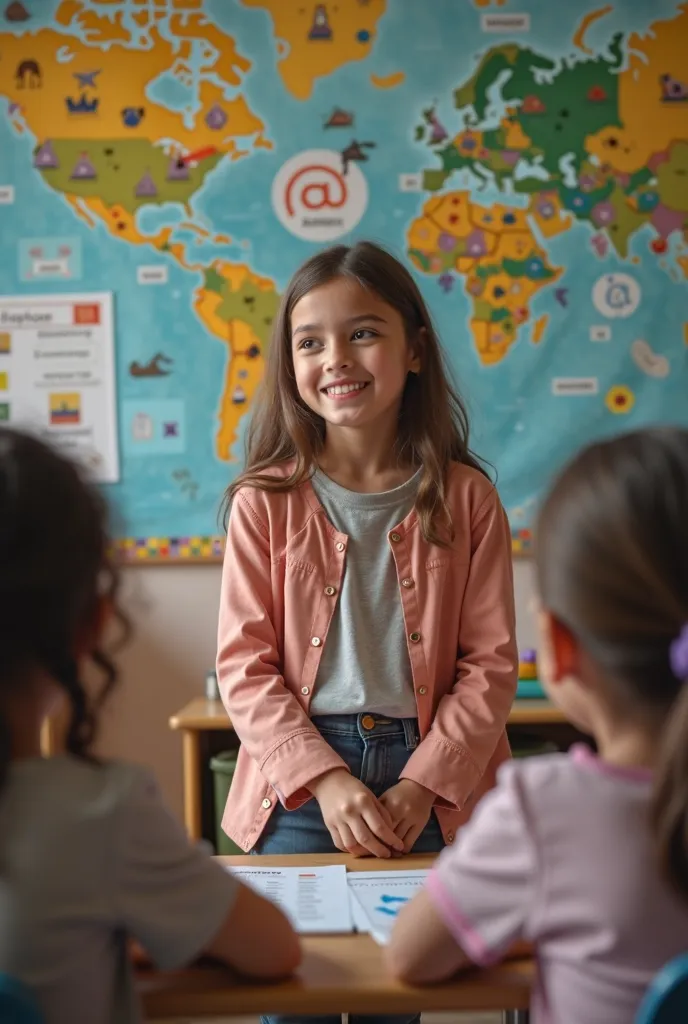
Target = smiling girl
(366,648)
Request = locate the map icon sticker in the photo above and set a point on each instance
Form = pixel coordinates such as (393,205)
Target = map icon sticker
(315,199)
(616,295)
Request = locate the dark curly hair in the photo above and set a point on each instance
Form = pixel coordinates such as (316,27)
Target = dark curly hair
(55,570)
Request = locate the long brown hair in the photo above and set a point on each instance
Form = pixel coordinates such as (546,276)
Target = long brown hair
(612,566)
(55,568)
(433,423)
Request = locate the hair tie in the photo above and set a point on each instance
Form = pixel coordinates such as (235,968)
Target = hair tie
(678,655)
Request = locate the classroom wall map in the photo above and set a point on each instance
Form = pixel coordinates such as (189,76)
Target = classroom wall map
(528,160)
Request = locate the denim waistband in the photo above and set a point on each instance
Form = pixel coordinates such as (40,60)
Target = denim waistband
(369,727)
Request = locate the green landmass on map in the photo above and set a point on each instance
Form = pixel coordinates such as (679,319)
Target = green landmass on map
(120,172)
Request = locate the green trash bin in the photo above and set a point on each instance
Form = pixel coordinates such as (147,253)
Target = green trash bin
(222,767)
(532,746)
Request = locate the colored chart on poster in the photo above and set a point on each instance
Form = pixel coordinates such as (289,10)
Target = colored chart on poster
(531,170)
(57,375)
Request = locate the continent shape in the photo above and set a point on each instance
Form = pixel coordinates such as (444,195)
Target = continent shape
(494,248)
(238,307)
(313,40)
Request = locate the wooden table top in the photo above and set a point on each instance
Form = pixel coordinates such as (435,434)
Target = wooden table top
(339,973)
(207,715)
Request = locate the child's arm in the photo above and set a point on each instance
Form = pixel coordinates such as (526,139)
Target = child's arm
(271,724)
(256,938)
(422,948)
(482,895)
(178,903)
(469,721)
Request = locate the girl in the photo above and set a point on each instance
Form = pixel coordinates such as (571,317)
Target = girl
(88,853)
(587,855)
(366,648)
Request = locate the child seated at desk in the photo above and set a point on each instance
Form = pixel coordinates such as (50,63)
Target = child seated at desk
(89,855)
(586,855)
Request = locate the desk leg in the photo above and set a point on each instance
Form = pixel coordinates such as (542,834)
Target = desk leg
(515,1017)
(192,782)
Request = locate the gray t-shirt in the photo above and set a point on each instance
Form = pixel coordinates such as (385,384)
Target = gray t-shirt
(89,855)
(365,664)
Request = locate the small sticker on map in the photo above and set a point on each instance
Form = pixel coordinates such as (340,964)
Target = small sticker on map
(575,386)
(600,332)
(155,274)
(652,363)
(6,194)
(317,197)
(505,22)
(616,295)
(153,426)
(411,182)
(46,259)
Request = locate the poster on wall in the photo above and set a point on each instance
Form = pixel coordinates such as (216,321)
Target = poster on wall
(57,375)
(531,171)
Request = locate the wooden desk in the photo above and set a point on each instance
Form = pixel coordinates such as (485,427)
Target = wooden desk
(201,718)
(339,973)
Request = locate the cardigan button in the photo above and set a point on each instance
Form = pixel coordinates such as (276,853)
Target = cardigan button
(330,591)
(408,582)
(395,537)
(339,546)
(267,803)
(316,641)
(414,638)
(422,690)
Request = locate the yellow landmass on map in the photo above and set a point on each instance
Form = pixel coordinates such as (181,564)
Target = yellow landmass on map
(117,220)
(557,219)
(539,328)
(589,19)
(120,84)
(238,307)
(495,250)
(388,81)
(316,39)
(651,124)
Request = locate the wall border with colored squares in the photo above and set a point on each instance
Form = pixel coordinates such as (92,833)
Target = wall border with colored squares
(198,550)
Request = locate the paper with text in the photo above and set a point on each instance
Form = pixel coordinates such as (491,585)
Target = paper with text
(316,900)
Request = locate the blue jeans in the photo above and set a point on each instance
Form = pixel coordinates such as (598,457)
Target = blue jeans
(377,757)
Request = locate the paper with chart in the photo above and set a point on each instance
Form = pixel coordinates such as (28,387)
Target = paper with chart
(57,374)
(316,900)
(381,894)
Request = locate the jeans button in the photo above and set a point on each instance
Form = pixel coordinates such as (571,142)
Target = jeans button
(368,722)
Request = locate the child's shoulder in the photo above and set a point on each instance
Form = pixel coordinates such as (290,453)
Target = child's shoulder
(469,488)
(269,504)
(570,785)
(102,786)
(530,774)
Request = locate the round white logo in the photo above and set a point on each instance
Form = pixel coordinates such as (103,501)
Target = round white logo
(616,295)
(318,196)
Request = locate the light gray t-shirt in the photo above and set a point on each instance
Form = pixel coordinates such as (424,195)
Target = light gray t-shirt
(89,856)
(365,664)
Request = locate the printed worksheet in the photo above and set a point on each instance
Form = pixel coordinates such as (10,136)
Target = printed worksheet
(380,895)
(316,900)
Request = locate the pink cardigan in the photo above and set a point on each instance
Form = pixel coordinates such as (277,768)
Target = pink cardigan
(283,568)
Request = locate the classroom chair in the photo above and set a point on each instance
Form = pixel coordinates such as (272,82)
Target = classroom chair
(666,1000)
(17,1004)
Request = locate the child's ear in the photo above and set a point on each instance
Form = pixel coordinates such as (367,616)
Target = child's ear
(560,648)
